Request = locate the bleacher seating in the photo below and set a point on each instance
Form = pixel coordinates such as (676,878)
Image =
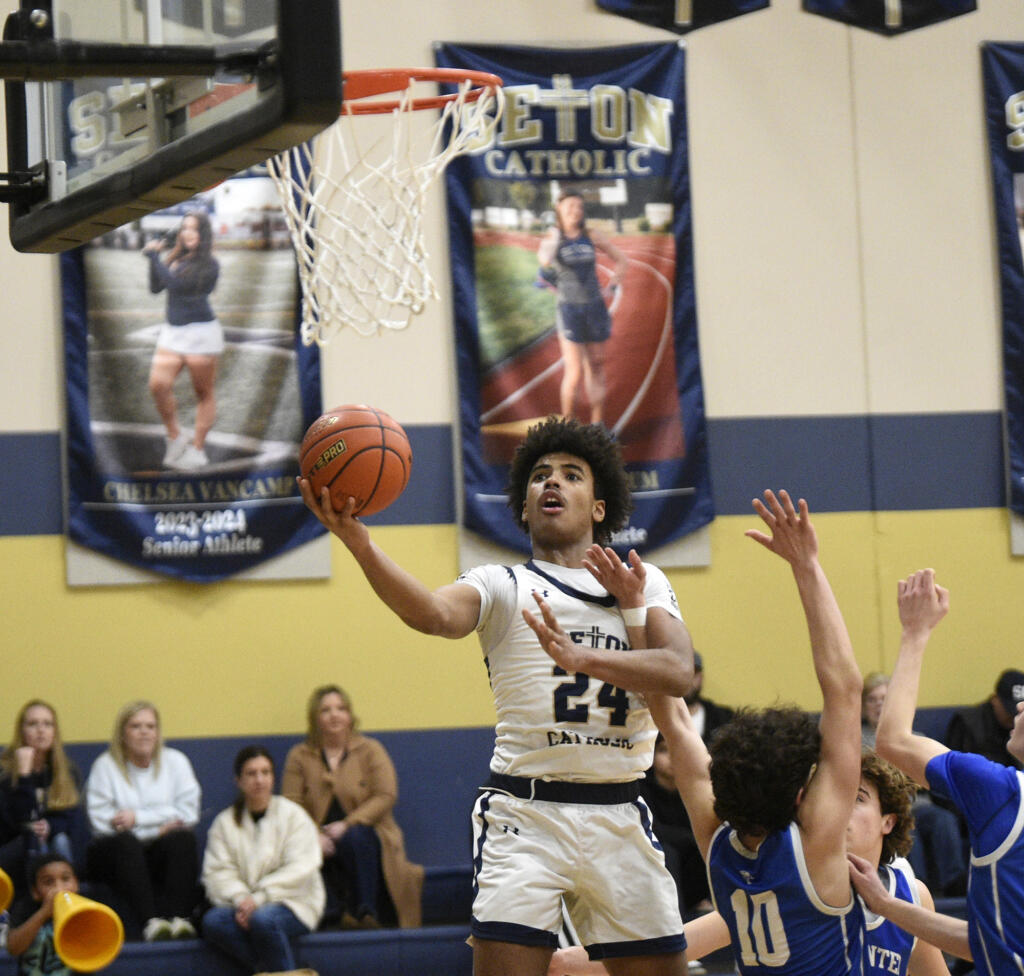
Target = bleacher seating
(439,771)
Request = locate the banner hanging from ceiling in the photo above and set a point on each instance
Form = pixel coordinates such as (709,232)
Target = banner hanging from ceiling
(1003,73)
(188,390)
(572,275)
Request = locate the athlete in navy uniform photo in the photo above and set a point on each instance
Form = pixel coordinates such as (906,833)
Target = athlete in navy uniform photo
(560,817)
(568,258)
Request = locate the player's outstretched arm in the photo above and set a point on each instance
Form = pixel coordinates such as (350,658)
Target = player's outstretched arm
(704,935)
(925,958)
(943,931)
(832,791)
(922,604)
(451,611)
(690,765)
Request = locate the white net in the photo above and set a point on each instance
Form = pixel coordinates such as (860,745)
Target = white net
(354,199)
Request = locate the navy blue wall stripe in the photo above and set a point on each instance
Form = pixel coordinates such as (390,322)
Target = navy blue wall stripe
(31,491)
(884,462)
(952,461)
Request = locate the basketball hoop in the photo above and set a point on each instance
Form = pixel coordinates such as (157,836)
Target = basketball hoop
(354,195)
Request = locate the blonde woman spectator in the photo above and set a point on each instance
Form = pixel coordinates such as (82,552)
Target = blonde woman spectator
(143,804)
(39,792)
(346,782)
(872,699)
(261,871)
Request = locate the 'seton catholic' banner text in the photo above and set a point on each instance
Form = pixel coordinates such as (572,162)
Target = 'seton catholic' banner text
(1004,110)
(572,276)
(188,390)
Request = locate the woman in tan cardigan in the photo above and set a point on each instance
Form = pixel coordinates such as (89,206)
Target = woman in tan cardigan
(346,782)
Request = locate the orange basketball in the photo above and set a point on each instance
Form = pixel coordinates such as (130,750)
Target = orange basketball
(357,452)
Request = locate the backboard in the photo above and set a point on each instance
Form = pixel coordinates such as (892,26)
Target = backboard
(117,108)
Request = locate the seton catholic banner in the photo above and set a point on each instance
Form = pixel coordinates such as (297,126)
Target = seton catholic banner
(1003,70)
(186,320)
(572,275)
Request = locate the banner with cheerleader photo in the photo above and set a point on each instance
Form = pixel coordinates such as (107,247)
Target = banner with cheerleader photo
(573,290)
(188,392)
(1003,70)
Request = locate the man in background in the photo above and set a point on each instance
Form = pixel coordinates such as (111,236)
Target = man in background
(984,728)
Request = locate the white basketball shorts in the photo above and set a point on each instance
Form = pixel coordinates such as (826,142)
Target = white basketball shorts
(602,859)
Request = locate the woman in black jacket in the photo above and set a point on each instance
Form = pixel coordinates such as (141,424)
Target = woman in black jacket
(39,792)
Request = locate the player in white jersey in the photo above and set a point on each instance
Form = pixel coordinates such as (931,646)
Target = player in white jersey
(988,794)
(560,817)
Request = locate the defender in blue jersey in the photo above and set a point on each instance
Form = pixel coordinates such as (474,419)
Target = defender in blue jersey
(990,796)
(770,813)
(571,742)
(880,833)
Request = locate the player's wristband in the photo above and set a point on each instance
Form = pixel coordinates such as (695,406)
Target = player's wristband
(634,616)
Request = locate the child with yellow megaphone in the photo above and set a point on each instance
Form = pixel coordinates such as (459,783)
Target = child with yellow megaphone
(6,895)
(66,933)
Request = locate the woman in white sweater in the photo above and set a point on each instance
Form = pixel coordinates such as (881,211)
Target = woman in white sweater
(261,871)
(143,805)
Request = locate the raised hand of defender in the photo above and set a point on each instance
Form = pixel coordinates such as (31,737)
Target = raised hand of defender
(622,581)
(553,639)
(792,535)
(343,524)
(922,602)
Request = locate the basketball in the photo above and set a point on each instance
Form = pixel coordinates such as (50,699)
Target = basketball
(357,452)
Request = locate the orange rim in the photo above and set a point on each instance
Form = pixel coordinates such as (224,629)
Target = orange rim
(367,84)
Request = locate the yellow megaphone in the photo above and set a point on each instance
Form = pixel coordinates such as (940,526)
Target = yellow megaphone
(6,890)
(86,934)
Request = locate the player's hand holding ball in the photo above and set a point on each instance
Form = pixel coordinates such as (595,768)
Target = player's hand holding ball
(355,460)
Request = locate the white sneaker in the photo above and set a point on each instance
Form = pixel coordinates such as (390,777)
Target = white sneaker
(176,446)
(182,928)
(192,458)
(157,930)
(696,968)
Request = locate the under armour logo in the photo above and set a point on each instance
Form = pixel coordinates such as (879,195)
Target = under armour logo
(508,828)
(747,876)
(543,593)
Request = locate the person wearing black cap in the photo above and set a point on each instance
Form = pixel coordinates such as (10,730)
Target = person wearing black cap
(984,728)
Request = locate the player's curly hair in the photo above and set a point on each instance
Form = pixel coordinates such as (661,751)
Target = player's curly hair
(896,794)
(595,445)
(760,761)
